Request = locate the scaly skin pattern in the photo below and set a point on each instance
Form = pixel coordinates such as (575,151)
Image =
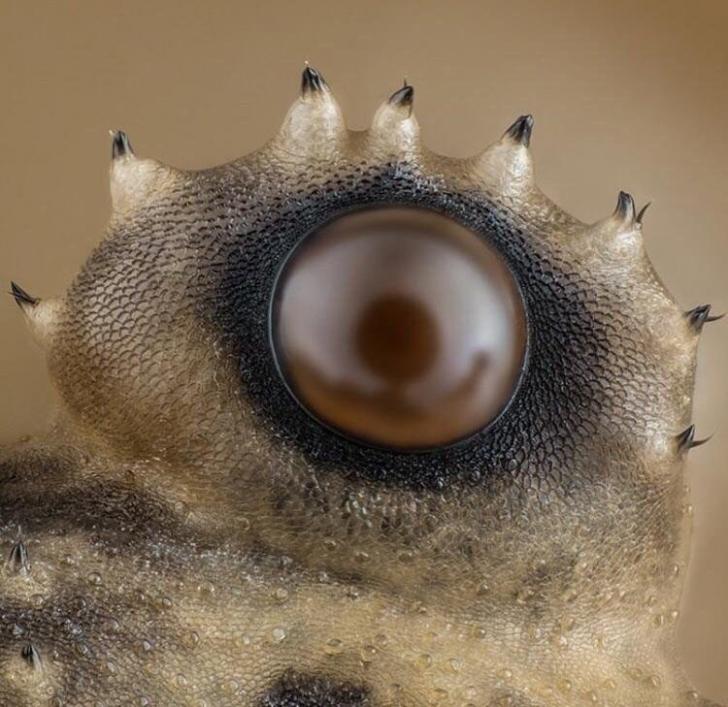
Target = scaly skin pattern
(186,534)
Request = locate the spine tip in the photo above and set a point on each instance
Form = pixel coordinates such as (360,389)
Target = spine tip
(625,210)
(699,316)
(120,145)
(312,81)
(686,440)
(403,97)
(520,131)
(22,298)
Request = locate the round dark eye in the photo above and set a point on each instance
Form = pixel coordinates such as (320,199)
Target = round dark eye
(399,327)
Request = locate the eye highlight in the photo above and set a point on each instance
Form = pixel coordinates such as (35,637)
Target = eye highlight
(400,328)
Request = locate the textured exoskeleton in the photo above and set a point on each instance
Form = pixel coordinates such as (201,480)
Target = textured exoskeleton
(187,534)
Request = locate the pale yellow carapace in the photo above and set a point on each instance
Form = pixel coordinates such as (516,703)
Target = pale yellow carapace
(187,533)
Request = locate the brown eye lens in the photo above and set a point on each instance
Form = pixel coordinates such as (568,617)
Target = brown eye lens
(399,327)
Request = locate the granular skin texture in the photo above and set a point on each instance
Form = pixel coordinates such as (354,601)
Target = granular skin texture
(187,534)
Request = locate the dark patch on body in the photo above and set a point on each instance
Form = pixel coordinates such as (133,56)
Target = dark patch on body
(296,690)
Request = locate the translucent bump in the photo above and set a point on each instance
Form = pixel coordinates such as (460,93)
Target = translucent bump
(243,523)
(674,615)
(361,556)
(592,696)
(609,684)
(367,653)
(333,647)
(483,589)
(456,664)
(147,645)
(654,681)
(565,686)
(659,620)
(651,600)
(381,639)
(424,661)
(192,639)
(181,680)
(166,602)
(280,594)
(278,634)
(505,674)
(232,686)
(406,556)
(439,695)
(206,588)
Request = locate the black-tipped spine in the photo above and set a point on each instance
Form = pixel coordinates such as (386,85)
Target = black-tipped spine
(641,213)
(625,210)
(120,145)
(18,558)
(31,655)
(312,81)
(698,316)
(403,97)
(520,131)
(686,440)
(22,298)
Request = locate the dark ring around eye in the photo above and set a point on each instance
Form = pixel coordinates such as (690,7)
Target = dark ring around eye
(399,328)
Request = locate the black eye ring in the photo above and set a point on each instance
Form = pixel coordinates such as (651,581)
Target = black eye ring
(398,328)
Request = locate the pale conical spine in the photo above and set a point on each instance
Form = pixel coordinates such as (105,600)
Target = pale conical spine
(506,167)
(314,125)
(619,234)
(394,127)
(135,181)
(42,315)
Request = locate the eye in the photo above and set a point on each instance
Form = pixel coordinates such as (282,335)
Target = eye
(399,327)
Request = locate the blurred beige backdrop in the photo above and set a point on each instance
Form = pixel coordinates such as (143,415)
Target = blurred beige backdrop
(626,95)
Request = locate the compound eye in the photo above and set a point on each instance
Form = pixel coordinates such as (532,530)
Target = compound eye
(400,328)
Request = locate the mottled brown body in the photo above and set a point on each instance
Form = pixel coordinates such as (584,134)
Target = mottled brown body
(187,535)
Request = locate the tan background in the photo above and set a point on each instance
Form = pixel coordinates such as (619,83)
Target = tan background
(626,95)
